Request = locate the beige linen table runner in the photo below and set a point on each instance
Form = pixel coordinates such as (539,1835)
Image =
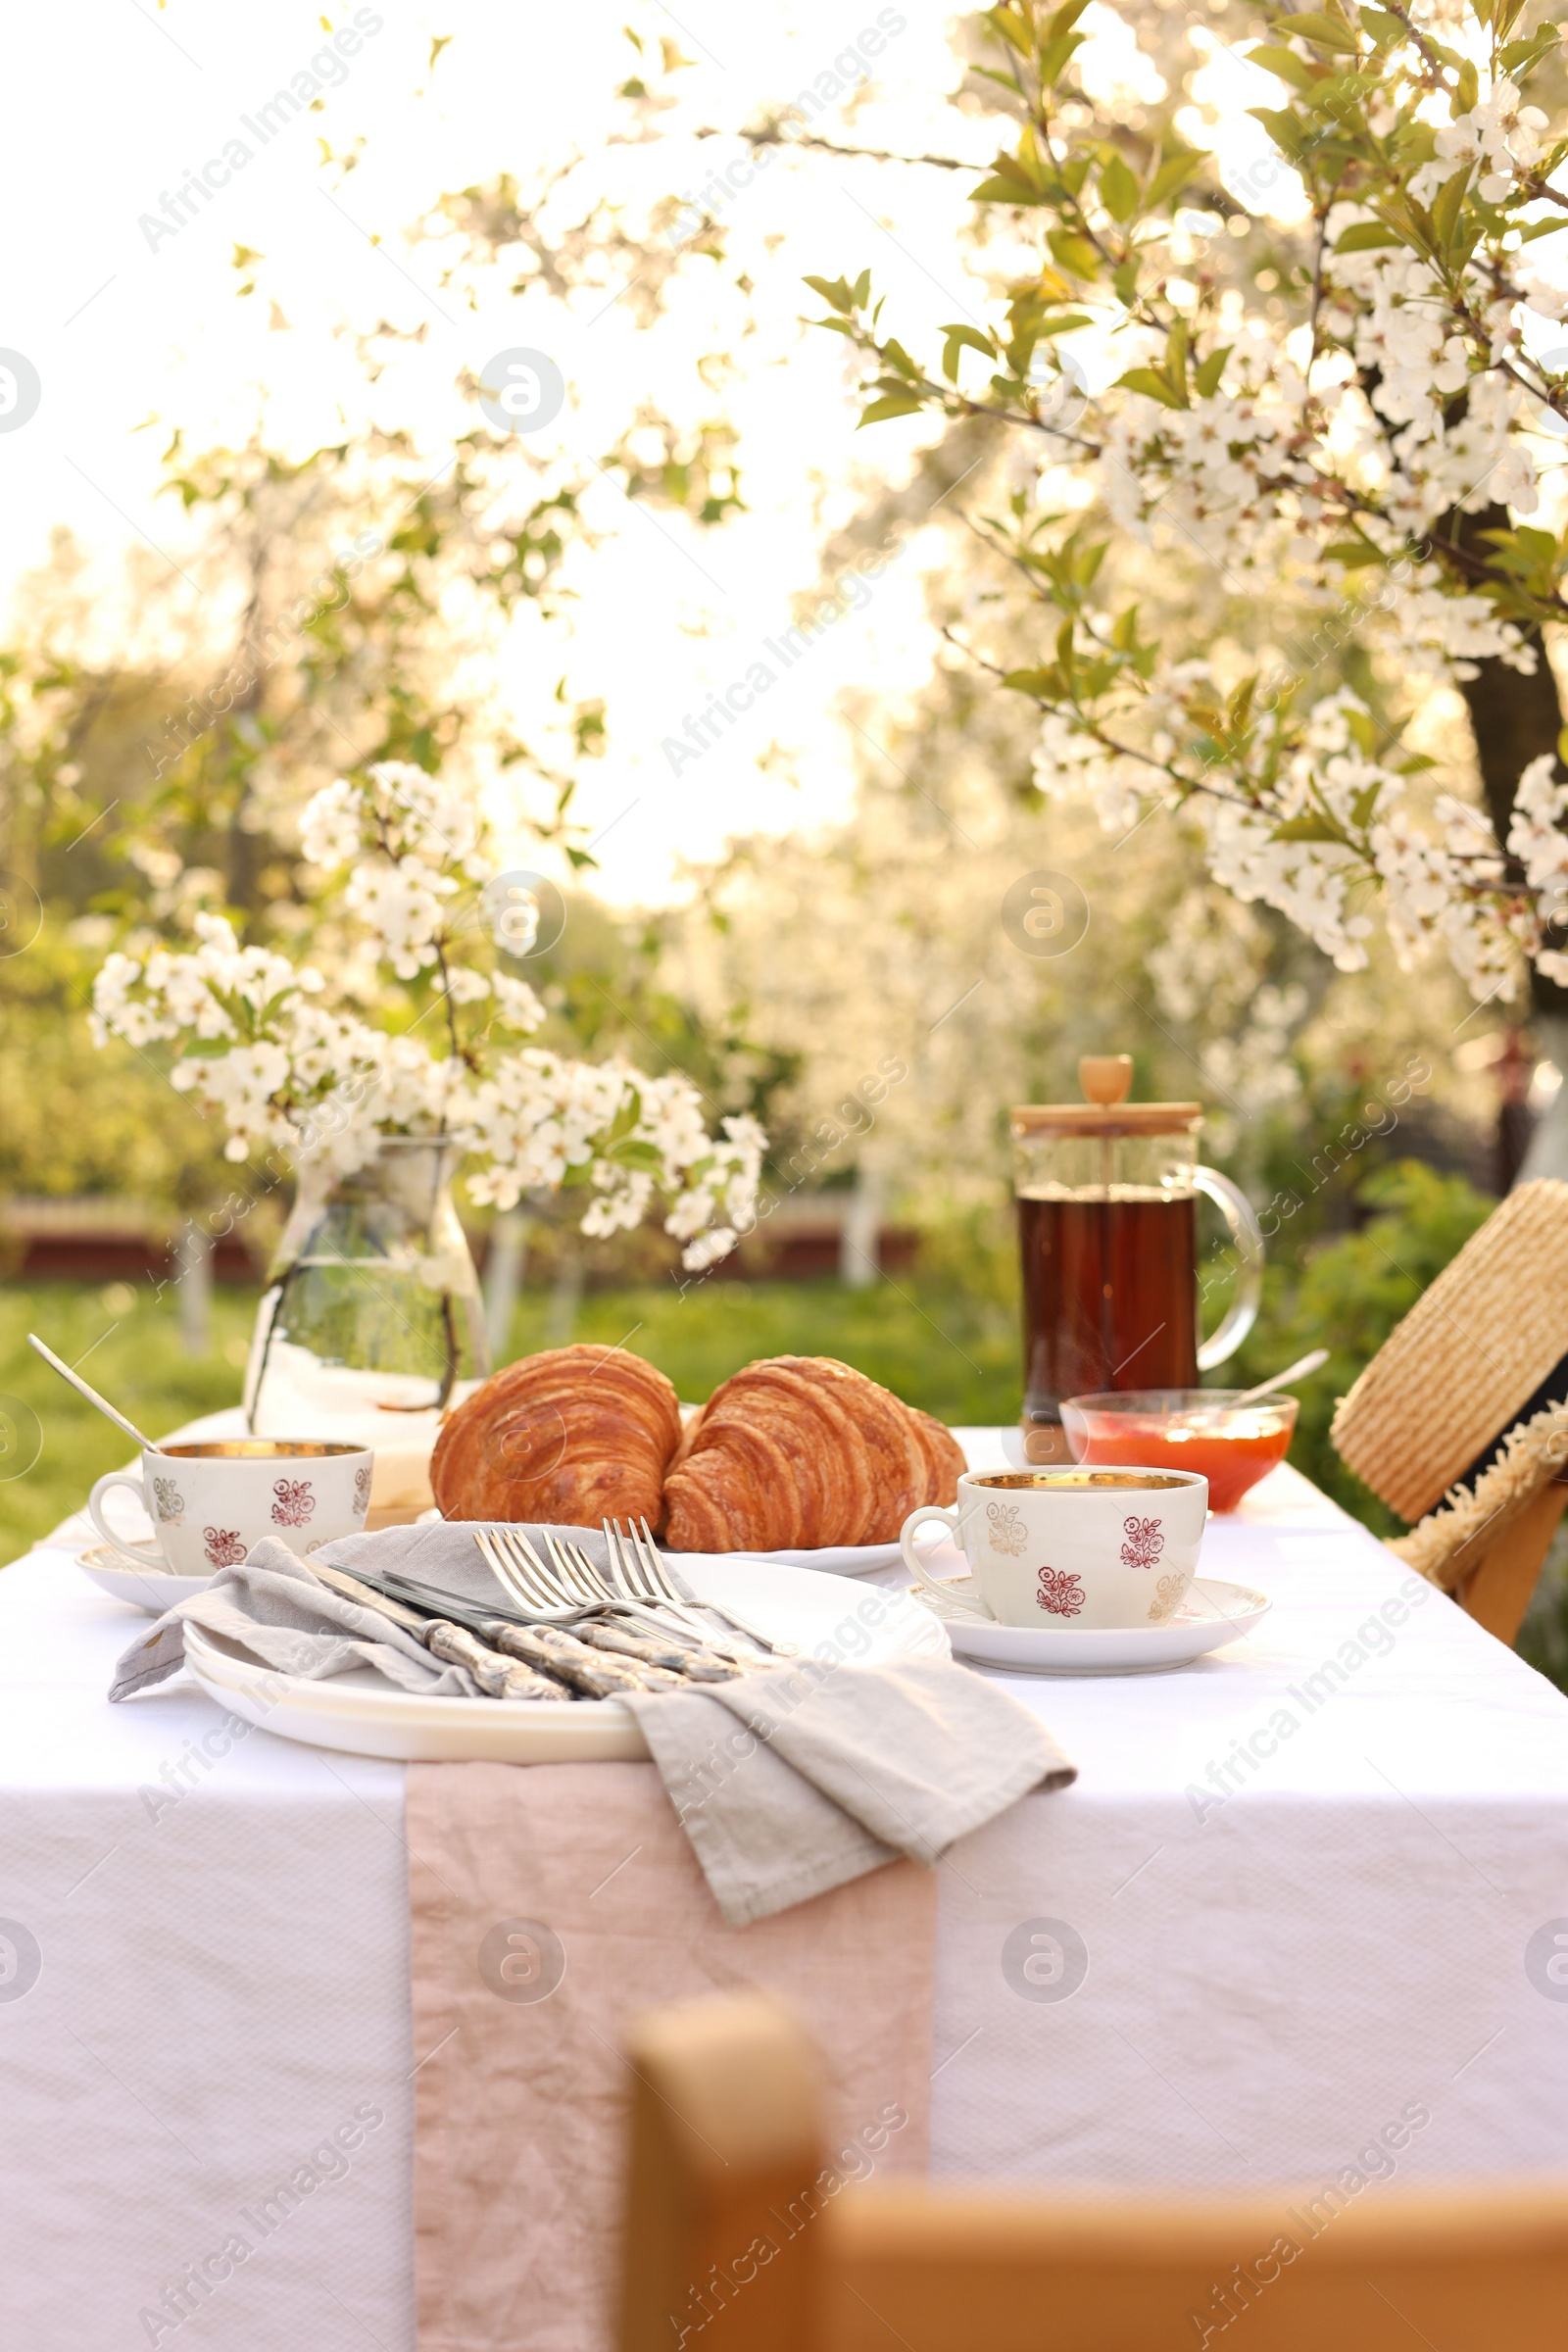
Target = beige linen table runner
(549,1906)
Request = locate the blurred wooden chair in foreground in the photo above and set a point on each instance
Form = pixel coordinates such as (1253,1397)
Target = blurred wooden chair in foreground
(1460,1420)
(740,2238)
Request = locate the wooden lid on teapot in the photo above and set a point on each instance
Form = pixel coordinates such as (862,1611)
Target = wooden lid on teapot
(1106,1079)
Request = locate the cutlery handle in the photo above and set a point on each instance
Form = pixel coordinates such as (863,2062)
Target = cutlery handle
(498,1676)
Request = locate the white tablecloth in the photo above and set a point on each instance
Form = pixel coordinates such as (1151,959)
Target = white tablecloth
(1293,1910)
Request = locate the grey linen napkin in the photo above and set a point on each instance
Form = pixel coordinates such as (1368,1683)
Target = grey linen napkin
(275,1610)
(793,1781)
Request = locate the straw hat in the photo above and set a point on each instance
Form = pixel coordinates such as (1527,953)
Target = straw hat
(1463,1406)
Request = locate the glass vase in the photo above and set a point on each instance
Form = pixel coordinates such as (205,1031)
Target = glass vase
(372,1318)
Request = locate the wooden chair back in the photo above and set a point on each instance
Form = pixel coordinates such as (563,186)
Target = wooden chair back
(739,2237)
(1497,1591)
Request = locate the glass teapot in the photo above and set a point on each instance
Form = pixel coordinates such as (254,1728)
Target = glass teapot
(1108,1231)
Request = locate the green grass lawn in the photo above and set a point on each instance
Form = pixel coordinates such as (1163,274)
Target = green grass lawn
(956,1357)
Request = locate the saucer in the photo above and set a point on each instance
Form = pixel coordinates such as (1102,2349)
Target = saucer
(150,1589)
(1212,1614)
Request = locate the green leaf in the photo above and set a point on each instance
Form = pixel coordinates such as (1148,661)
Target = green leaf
(1075,254)
(861,291)
(1057,54)
(1354,554)
(1540,544)
(624,1121)
(1365,236)
(1024,167)
(1284,65)
(1155,385)
(1415,143)
(1314,827)
(1065,326)
(962,338)
(1562,746)
(1042,682)
(892,404)
(1519,59)
(1206,374)
(1176,358)
(1448,205)
(1014,27)
(1385,29)
(1171,177)
(1325,32)
(1066,17)
(1467,91)
(1001,192)
(1347,90)
(1289,136)
(1362,806)
(1542,229)
(633,1153)
(1124,277)
(1119,189)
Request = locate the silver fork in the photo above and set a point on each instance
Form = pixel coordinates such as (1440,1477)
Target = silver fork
(625,1592)
(648,1573)
(545,1606)
(570,1587)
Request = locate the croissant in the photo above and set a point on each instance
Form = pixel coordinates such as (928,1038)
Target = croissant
(946,1461)
(573,1436)
(802,1452)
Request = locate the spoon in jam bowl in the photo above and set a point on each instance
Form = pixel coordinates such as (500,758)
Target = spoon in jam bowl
(1302,1365)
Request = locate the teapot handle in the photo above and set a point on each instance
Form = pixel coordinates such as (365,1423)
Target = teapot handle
(1247,1235)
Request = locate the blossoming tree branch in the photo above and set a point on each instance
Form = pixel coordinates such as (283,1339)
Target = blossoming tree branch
(1370,446)
(407,1023)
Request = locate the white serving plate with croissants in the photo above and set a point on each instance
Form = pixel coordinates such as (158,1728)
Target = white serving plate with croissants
(360,1713)
(799,1459)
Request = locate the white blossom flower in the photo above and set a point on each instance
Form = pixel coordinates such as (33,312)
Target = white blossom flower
(283,1058)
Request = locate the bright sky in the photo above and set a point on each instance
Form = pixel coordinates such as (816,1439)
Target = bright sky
(107,109)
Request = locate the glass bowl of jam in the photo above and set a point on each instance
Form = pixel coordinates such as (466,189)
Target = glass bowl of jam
(1233,1445)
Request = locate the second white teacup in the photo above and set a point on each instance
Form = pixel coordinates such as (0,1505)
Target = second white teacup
(1065,1548)
(211,1499)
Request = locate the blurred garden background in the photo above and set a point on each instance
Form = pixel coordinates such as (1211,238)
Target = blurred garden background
(339,550)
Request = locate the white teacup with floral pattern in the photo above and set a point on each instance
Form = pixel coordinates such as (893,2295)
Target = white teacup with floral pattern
(211,1499)
(1092,1548)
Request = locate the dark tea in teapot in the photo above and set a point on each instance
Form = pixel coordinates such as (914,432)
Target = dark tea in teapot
(1108,1233)
(1109,1294)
